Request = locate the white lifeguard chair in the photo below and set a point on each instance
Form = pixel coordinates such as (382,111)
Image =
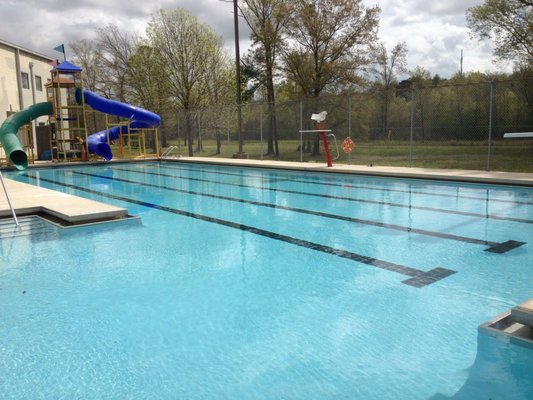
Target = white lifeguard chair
(320,117)
(324,133)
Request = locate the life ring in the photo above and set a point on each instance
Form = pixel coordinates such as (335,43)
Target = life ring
(348,145)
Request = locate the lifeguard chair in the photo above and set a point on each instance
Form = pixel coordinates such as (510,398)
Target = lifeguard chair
(320,128)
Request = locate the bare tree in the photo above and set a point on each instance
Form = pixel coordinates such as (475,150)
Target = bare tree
(330,40)
(87,56)
(115,49)
(193,57)
(267,20)
(148,83)
(385,68)
(509,23)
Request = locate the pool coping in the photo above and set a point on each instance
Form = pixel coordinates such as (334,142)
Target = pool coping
(460,175)
(72,210)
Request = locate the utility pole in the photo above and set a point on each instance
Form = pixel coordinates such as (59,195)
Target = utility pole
(461,69)
(240,153)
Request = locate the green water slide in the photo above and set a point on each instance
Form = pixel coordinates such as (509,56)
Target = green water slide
(10,127)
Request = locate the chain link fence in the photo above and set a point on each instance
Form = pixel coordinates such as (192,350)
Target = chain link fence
(458,126)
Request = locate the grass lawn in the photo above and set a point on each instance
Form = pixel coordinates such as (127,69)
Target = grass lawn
(516,156)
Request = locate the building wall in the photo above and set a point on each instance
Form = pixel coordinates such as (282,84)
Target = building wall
(41,71)
(8,82)
(17,93)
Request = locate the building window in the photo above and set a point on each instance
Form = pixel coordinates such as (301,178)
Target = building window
(25,80)
(38,83)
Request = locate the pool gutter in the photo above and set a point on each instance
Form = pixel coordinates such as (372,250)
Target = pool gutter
(458,175)
(471,176)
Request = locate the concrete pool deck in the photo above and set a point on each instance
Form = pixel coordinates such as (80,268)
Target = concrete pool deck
(69,209)
(491,177)
(28,199)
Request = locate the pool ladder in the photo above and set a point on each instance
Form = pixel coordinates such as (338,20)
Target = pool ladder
(9,200)
(168,151)
(336,145)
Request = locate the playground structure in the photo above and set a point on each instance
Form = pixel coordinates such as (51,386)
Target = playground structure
(69,108)
(26,142)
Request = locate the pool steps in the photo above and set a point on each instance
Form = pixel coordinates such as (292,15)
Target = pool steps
(523,313)
(514,325)
(29,226)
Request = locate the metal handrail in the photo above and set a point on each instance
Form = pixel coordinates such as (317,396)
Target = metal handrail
(309,131)
(336,146)
(9,200)
(169,150)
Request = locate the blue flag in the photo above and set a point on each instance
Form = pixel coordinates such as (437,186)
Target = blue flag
(60,48)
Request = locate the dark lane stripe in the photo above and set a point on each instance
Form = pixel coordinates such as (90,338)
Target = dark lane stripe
(418,278)
(314,182)
(509,245)
(327,196)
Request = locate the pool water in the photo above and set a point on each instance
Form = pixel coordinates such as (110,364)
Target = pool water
(240,283)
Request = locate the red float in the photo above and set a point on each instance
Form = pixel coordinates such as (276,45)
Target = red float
(348,145)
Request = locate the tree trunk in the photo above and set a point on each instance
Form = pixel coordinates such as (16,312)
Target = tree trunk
(219,141)
(385,116)
(199,127)
(271,99)
(316,146)
(188,128)
(270,133)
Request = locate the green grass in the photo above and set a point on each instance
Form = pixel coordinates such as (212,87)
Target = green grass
(510,156)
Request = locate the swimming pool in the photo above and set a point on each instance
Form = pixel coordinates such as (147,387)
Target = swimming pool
(242,283)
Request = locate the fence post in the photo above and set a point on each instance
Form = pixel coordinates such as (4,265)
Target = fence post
(178,133)
(301,134)
(489,147)
(261,126)
(349,124)
(199,131)
(228,117)
(411,129)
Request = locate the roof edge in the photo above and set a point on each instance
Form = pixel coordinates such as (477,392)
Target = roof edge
(25,50)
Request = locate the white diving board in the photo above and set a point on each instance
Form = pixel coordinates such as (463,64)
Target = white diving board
(517,135)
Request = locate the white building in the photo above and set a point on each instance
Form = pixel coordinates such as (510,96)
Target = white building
(23,74)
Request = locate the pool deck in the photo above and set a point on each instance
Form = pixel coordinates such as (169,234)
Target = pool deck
(73,210)
(28,199)
(491,177)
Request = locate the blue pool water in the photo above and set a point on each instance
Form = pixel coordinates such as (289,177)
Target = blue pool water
(266,284)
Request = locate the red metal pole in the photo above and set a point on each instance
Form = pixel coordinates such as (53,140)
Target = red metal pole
(323,135)
(326,148)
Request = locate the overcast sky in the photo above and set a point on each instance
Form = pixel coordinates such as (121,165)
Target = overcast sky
(435,31)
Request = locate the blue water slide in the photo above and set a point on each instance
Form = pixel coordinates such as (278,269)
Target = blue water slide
(139,117)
